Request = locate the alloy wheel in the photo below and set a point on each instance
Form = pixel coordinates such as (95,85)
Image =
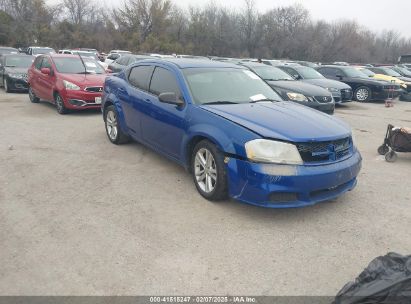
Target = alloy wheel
(362,94)
(111,125)
(205,170)
(59,104)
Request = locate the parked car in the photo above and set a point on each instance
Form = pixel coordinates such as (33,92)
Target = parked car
(340,91)
(389,72)
(8,50)
(365,88)
(38,50)
(125,60)
(68,81)
(225,125)
(388,78)
(404,72)
(13,71)
(289,89)
(86,54)
(114,55)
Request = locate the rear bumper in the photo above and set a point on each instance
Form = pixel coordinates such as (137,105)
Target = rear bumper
(286,186)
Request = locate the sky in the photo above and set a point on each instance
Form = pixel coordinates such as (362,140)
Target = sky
(377,15)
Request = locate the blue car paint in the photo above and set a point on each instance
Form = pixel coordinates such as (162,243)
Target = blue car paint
(169,130)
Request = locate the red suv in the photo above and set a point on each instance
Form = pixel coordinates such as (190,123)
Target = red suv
(68,81)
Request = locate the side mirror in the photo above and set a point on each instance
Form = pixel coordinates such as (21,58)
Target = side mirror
(297,77)
(339,77)
(45,71)
(170,98)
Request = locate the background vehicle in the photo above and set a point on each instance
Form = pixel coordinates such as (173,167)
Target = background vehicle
(223,123)
(402,71)
(340,91)
(68,81)
(389,72)
(365,88)
(289,89)
(114,55)
(125,60)
(388,78)
(86,54)
(8,50)
(38,50)
(13,71)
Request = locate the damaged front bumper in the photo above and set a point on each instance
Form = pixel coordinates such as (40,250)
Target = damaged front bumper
(288,186)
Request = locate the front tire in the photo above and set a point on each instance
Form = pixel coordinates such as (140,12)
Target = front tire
(61,108)
(113,130)
(209,171)
(362,94)
(33,97)
(6,86)
(383,149)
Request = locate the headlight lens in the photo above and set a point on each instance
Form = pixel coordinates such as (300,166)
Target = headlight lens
(333,90)
(18,76)
(270,151)
(296,96)
(70,86)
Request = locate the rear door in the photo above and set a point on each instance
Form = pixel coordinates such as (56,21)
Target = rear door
(163,126)
(134,98)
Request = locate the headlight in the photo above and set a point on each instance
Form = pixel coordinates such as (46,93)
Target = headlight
(17,76)
(333,90)
(296,96)
(270,151)
(70,86)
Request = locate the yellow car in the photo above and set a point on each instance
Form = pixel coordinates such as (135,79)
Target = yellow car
(395,80)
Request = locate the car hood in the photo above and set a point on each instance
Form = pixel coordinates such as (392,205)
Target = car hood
(286,121)
(388,78)
(327,83)
(85,79)
(298,87)
(16,70)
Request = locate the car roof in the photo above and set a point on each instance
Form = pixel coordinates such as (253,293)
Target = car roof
(184,63)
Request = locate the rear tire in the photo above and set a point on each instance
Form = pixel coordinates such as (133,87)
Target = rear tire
(362,94)
(113,130)
(61,108)
(391,157)
(383,149)
(33,97)
(209,171)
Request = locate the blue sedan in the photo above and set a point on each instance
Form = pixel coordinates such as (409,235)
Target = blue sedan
(236,135)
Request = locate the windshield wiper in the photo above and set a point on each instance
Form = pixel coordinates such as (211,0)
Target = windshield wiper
(85,72)
(10,66)
(220,102)
(264,99)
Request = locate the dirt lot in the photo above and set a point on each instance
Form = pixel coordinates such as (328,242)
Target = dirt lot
(80,216)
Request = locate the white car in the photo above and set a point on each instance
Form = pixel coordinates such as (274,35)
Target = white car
(85,54)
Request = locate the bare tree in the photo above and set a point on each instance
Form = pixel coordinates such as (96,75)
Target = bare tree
(78,10)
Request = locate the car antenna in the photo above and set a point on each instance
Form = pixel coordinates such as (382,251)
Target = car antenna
(82,61)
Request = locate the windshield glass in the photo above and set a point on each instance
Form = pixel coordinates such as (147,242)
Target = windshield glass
(209,85)
(271,73)
(73,65)
(309,73)
(367,72)
(40,51)
(391,72)
(19,61)
(354,73)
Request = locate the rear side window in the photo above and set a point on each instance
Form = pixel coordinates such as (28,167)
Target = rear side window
(163,81)
(37,63)
(139,76)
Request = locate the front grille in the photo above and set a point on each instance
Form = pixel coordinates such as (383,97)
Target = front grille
(325,151)
(346,94)
(94,89)
(323,99)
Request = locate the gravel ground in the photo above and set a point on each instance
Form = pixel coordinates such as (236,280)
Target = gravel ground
(80,216)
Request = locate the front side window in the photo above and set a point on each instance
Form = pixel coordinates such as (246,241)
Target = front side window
(38,62)
(46,63)
(163,81)
(354,73)
(139,76)
(208,85)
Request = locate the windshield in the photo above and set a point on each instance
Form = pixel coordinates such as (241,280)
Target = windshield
(354,73)
(208,85)
(391,72)
(19,61)
(73,65)
(367,72)
(40,51)
(309,73)
(271,73)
